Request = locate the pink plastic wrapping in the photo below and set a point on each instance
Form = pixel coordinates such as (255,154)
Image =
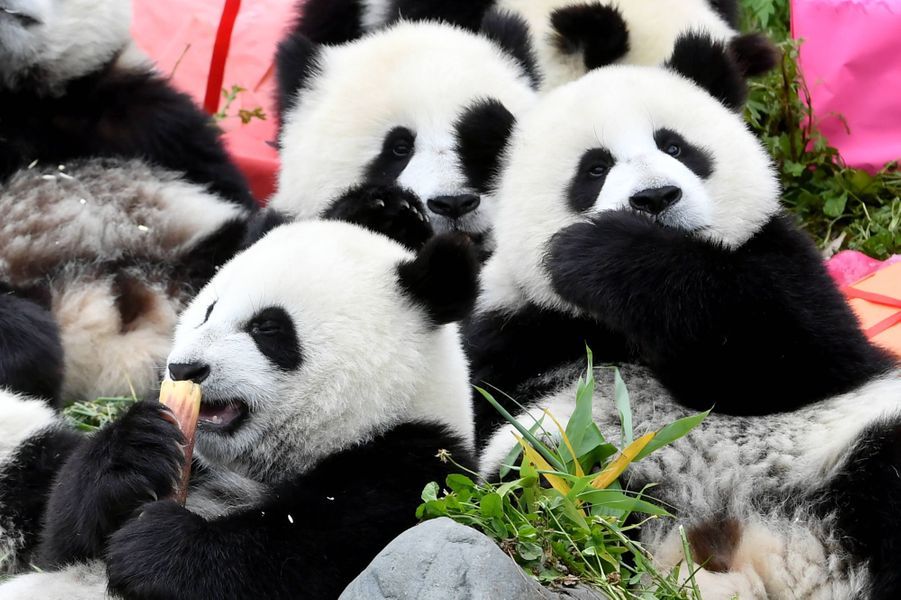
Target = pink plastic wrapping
(851,59)
(179,36)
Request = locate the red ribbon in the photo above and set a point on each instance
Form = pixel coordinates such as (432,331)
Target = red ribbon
(220,55)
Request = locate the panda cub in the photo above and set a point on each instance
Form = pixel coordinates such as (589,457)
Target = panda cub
(332,374)
(570,37)
(648,226)
(398,131)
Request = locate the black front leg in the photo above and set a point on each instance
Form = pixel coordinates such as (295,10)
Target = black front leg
(388,210)
(130,462)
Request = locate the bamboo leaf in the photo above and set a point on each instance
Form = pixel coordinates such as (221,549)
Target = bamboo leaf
(671,433)
(621,399)
(619,464)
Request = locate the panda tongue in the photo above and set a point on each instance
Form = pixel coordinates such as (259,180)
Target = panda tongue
(218,414)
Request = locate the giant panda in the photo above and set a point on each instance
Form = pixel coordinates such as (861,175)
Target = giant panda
(399,131)
(111,182)
(570,37)
(332,374)
(639,215)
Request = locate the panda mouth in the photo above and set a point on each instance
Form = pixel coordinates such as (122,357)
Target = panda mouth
(224,416)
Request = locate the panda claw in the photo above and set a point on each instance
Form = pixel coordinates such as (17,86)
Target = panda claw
(405,205)
(379,203)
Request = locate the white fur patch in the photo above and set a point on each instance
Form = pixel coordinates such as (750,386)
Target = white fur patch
(653,25)
(416,75)
(22,417)
(72,38)
(76,582)
(370,360)
(618,109)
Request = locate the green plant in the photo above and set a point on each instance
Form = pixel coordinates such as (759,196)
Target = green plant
(246,115)
(576,527)
(91,416)
(839,206)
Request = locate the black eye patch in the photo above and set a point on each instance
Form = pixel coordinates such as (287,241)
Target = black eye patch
(272,330)
(590,176)
(397,150)
(696,159)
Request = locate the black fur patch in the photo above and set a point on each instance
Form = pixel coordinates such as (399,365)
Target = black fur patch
(754,53)
(589,178)
(467,14)
(125,114)
(866,499)
(298,538)
(443,278)
(596,30)
(272,330)
(698,160)
(331,22)
(711,66)
(295,64)
(110,475)
(261,224)
(386,209)
(757,330)
(25,484)
(398,148)
(31,354)
(508,350)
(482,135)
(199,266)
(511,32)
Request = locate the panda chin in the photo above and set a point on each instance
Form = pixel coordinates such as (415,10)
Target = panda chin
(222,416)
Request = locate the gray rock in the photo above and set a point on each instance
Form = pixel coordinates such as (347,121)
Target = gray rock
(443,560)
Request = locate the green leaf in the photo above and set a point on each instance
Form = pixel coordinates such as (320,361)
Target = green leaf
(516,451)
(671,433)
(457,482)
(529,551)
(430,492)
(581,418)
(835,205)
(621,399)
(620,501)
(492,506)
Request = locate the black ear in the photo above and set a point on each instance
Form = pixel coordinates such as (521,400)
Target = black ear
(728,10)
(598,31)
(295,62)
(511,32)
(262,223)
(754,53)
(443,278)
(483,132)
(330,22)
(711,65)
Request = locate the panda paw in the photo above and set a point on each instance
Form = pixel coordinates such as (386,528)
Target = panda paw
(133,461)
(599,32)
(146,557)
(391,211)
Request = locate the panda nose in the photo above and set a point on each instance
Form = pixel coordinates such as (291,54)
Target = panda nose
(655,200)
(454,207)
(195,372)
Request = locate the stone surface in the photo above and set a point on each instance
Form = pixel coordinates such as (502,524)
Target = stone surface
(443,560)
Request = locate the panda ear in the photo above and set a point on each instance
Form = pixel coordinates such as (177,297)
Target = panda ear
(511,32)
(443,278)
(295,62)
(483,131)
(754,53)
(710,65)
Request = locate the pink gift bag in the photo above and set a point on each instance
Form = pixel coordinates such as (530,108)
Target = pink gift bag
(851,60)
(207,45)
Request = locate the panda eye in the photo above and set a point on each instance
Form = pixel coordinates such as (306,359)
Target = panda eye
(265,328)
(402,149)
(674,150)
(597,171)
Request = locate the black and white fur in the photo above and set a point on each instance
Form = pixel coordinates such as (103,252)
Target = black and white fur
(397,131)
(332,374)
(647,224)
(570,37)
(111,183)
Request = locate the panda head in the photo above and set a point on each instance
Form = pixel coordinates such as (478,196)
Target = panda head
(323,334)
(646,139)
(45,43)
(421,106)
